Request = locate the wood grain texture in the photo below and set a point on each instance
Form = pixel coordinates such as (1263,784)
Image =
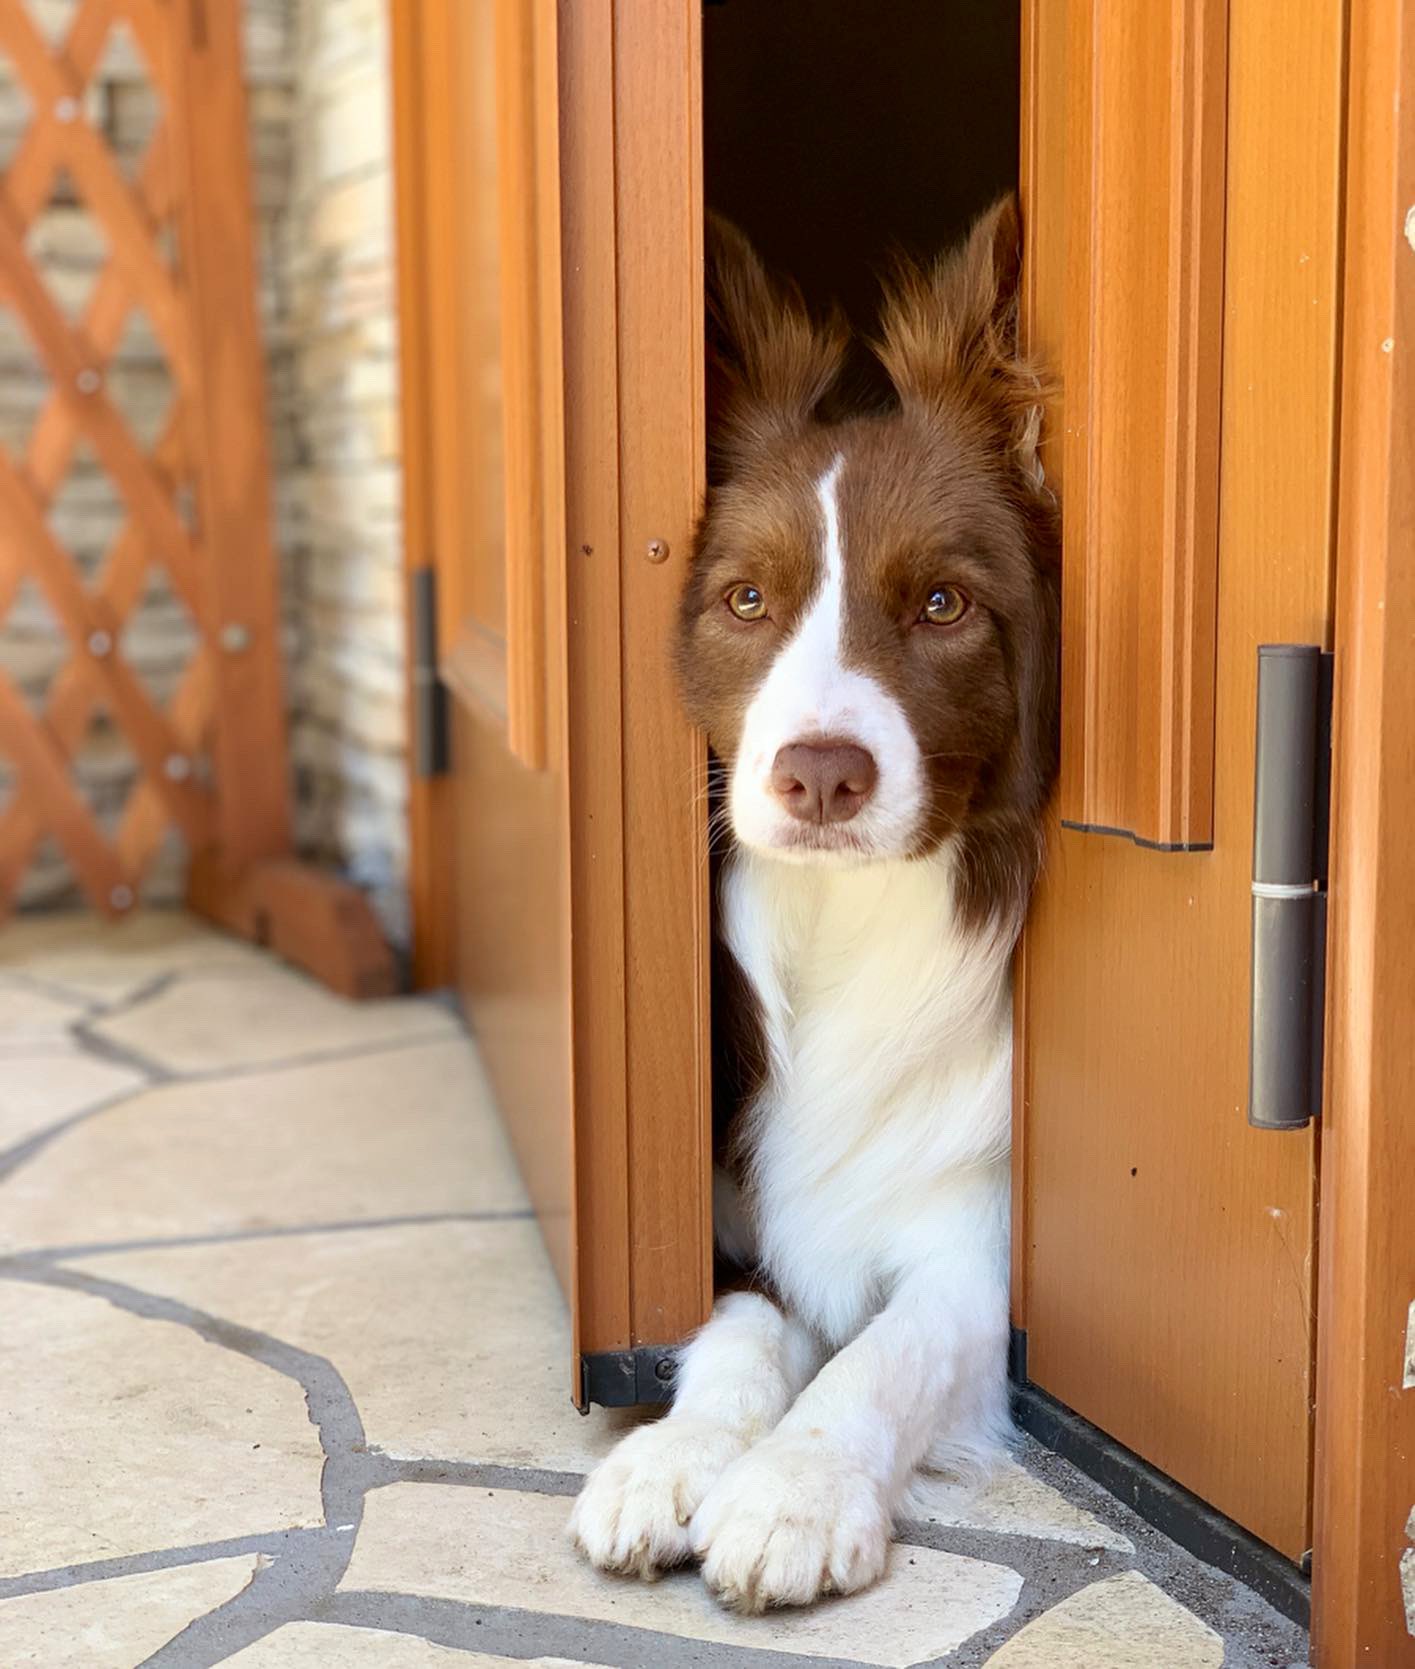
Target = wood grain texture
(1167,1246)
(1046,220)
(662,460)
(430,829)
(529,199)
(202,310)
(601,1310)
(1365,1455)
(319,922)
(1145,133)
(506,829)
(230,450)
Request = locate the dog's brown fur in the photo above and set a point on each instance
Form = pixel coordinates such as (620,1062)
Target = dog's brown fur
(944,487)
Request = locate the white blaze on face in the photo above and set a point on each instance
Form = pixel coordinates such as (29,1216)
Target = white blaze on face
(809,692)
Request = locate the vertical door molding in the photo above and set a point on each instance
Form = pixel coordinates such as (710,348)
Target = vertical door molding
(1146,147)
(631,83)
(1132,1044)
(662,467)
(529,201)
(1363,1565)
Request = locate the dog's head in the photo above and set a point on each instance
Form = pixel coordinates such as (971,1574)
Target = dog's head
(869,629)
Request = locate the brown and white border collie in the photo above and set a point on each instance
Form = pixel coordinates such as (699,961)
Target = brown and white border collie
(869,637)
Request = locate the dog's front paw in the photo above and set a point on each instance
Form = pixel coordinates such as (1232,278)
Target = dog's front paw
(789,1522)
(633,1513)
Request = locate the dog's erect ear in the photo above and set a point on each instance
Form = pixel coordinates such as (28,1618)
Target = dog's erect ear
(770,363)
(948,335)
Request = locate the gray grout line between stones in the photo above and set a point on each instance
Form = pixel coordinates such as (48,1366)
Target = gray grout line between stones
(160,1558)
(284,1589)
(157,1076)
(507,1632)
(299,1569)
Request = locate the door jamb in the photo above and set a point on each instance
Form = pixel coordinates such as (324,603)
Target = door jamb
(1365,1437)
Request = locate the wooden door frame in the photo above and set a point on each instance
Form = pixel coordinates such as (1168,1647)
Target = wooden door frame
(430,891)
(1365,1438)
(630,229)
(631,195)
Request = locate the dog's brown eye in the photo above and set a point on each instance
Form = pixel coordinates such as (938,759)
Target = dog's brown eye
(746,602)
(946,604)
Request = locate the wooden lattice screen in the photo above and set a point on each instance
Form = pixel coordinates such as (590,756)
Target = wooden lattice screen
(212,760)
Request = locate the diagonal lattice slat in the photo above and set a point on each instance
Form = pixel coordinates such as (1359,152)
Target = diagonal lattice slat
(170,741)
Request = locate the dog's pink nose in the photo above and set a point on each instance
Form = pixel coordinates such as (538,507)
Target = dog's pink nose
(825,781)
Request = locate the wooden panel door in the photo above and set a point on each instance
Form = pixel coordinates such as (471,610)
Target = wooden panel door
(1182,199)
(550,218)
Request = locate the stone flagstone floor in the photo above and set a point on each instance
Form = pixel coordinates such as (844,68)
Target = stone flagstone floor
(284,1373)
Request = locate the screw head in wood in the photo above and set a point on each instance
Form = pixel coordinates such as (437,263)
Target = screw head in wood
(88,381)
(100,644)
(176,767)
(234,637)
(65,109)
(657,550)
(121,898)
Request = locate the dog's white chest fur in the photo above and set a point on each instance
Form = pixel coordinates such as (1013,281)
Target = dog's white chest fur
(879,1140)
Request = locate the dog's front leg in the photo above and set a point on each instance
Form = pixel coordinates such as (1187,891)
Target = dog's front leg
(734,1381)
(810,1510)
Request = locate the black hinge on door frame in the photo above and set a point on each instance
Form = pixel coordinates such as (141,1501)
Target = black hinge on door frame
(627,1378)
(430,750)
(1291,814)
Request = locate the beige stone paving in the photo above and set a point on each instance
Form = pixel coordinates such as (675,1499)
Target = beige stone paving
(211,1024)
(109,962)
(378,1135)
(332,1646)
(40,1087)
(123,1434)
(347,1192)
(505,1547)
(474,1304)
(1120,1623)
(29,1017)
(114,1624)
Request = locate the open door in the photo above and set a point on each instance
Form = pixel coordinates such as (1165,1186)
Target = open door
(1182,199)
(550,226)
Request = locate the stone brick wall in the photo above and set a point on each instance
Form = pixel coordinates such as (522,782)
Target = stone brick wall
(347,674)
(318,95)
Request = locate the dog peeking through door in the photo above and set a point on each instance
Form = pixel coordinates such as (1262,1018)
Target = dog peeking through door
(869,637)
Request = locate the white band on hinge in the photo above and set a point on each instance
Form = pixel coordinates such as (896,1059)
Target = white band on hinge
(1283,889)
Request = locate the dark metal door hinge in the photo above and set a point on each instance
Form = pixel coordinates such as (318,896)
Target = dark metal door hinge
(1291,813)
(430,749)
(627,1378)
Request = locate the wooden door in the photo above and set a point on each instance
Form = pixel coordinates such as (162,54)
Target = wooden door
(1183,210)
(550,219)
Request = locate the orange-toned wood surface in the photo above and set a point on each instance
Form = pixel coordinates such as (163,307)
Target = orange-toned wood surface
(1145,140)
(559,306)
(429,797)
(1365,1456)
(662,461)
(529,192)
(595,600)
(494,853)
(202,311)
(630,77)
(1166,1247)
